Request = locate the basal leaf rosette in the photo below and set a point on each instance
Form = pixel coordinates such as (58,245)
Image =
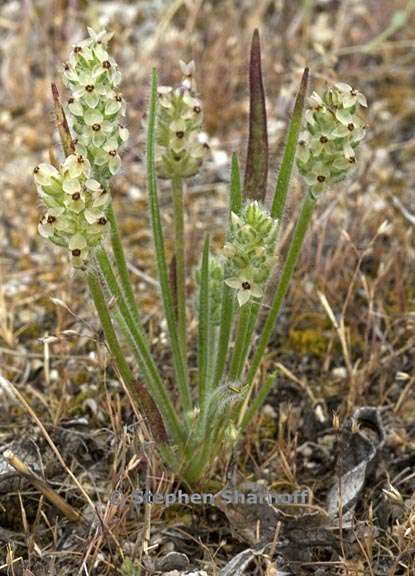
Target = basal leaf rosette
(96,105)
(334,129)
(250,251)
(75,206)
(179,120)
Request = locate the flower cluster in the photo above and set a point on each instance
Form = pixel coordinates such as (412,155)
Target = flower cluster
(179,120)
(215,289)
(96,103)
(75,204)
(250,251)
(326,149)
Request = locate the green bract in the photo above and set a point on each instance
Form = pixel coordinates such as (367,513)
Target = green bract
(96,105)
(75,203)
(179,120)
(250,251)
(334,130)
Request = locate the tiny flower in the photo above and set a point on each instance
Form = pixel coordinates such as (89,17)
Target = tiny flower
(49,221)
(75,202)
(96,105)
(180,153)
(78,248)
(326,150)
(44,174)
(76,165)
(250,251)
(245,286)
(350,96)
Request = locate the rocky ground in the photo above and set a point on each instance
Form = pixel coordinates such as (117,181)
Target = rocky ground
(342,412)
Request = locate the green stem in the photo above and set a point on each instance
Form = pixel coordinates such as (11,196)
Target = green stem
(228,307)
(135,336)
(203,348)
(213,348)
(111,337)
(240,343)
(248,337)
(121,262)
(179,245)
(158,238)
(228,296)
(286,275)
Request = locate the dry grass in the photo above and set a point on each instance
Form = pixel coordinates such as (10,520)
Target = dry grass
(346,337)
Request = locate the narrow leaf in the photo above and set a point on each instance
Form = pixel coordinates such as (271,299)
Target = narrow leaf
(256,171)
(61,122)
(284,175)
(151,414)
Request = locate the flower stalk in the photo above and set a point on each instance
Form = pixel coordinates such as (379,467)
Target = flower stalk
(192,429)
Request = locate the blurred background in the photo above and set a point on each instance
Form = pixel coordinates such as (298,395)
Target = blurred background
(359,253)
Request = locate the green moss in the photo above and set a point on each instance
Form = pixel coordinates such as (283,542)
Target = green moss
(307,341)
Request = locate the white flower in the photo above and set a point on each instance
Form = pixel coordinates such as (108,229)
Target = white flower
(245,286)
(76,165)
(79,249)
(44,174)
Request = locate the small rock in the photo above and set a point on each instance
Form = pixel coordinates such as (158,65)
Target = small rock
(173,561)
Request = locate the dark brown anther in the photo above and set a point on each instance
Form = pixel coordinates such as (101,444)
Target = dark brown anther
(246,285)
(350,127)
(66,66)
(77,49)
(80,159)
(89,87)
(321,178)
(106,64)
(324,139)
(96,127)
(197,109)
(112,153)
(206,146)
(118,98)
(102,221)
(71,101)
(36,170)
(180,134)
(76,196)
(51,219)
(353,92)
(75,142)
(352,160)
(76,252)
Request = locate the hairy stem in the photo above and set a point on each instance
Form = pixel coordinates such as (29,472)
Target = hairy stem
(179,246)
(286,275)
(239,350)
(158,238)
(135,336)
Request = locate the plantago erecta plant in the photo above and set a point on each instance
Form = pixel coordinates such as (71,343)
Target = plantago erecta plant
(192,430)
